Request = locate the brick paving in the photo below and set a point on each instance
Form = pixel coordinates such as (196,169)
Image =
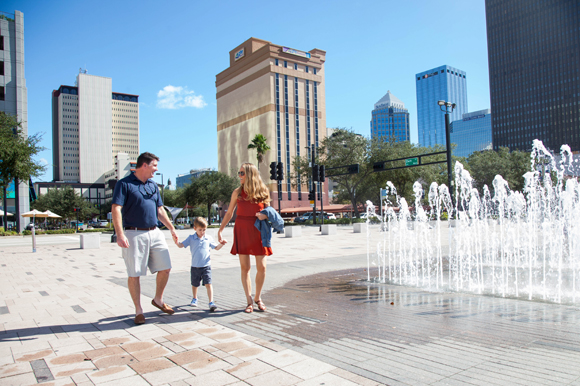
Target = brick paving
(66,319)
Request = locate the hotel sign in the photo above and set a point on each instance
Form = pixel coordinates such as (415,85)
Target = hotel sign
(296,52)
(240,54)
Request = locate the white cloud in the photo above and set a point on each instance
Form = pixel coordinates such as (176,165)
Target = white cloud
(172,97)
(43,161)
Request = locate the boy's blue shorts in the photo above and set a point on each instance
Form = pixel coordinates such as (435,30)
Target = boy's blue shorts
(200,273)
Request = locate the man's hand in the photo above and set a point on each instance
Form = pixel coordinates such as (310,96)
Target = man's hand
(122,241)
(223,241)
(174,236)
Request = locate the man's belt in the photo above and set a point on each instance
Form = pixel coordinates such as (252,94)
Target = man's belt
(138,229)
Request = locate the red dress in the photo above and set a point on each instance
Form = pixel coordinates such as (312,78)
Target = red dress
(247,238)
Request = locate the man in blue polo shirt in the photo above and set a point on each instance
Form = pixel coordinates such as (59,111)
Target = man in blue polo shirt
(137,207)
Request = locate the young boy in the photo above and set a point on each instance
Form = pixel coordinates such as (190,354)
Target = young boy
(200,246)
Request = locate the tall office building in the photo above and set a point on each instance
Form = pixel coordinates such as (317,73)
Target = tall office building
(278,92)
(91,124)
(442,83)
(534,73)
(13,96)
(390,119)
(472,133)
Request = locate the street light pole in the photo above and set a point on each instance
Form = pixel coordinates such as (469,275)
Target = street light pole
(447,107)
(162,187)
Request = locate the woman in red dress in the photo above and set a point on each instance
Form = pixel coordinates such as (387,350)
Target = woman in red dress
(250,198)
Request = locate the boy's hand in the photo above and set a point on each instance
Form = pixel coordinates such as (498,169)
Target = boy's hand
(223,242)
(176,240)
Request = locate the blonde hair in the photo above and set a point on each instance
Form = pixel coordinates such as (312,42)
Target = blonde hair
(253,186)
(200,222)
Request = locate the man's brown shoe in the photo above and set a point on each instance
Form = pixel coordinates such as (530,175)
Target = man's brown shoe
(165,308)
(140,319)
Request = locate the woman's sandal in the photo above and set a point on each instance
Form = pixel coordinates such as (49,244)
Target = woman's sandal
(249,309)
(261,305)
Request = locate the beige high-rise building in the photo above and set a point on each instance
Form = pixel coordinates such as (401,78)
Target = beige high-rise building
(91,124)
(278,92)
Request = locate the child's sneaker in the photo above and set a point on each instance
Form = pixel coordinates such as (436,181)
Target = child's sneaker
(212,307)
(193,302)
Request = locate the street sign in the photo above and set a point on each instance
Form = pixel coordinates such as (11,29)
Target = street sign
(311,202)
(383,193)
(412,161)
(312,205)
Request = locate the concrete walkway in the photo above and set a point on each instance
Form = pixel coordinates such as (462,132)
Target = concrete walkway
(66,319)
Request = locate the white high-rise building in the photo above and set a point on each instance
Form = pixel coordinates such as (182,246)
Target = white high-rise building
(91,124)
(13,95)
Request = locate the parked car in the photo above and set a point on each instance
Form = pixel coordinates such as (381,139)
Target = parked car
(331,216)
(29,226)
(102,224)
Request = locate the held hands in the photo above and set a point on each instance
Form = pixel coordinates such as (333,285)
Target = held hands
(221,240)
(261,216)
(174,236)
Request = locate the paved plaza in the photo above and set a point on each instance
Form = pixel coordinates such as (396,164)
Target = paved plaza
(66,318)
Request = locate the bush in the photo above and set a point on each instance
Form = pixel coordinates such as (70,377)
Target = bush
(50,232)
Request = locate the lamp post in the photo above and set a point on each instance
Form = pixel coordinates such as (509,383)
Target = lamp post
(162,187)
(447,107)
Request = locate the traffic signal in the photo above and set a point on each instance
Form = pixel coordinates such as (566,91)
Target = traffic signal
(322,173)
(280,171)
(273,171)
(315,175)
(76,209)
(311,196)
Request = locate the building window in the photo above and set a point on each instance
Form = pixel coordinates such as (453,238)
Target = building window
(276,62)
(285,64)
(296,66)
(2,93)
(1,68)
(1,43)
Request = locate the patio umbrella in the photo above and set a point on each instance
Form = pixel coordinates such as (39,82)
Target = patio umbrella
(34,213)
(7,213)
(52,214)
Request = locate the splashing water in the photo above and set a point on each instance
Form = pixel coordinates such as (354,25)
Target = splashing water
(512,244)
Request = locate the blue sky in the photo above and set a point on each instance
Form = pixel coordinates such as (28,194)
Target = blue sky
(169,53)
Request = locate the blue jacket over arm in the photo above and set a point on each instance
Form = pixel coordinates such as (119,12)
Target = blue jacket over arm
(265,226)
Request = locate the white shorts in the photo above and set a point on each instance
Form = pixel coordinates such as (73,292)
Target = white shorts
(146,249)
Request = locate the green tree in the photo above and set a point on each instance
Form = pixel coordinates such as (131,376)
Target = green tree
(62,201)
(210,188)
(343,147)
(512,166)
(175,198)
(259,143)
(16,153)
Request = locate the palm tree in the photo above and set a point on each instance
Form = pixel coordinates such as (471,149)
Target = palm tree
(259,143)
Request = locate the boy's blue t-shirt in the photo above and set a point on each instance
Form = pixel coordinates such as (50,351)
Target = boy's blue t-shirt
(200,249)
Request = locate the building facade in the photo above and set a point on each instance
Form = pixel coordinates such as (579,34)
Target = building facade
(90,125)
(14,99)
(534,72)
(278,92)
(185,179)
(390,119)
(442,83)
(472,133)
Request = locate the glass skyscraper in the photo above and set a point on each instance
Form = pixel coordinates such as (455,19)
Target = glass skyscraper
(472,133)
(441,83)
(534,72)
(390,119)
